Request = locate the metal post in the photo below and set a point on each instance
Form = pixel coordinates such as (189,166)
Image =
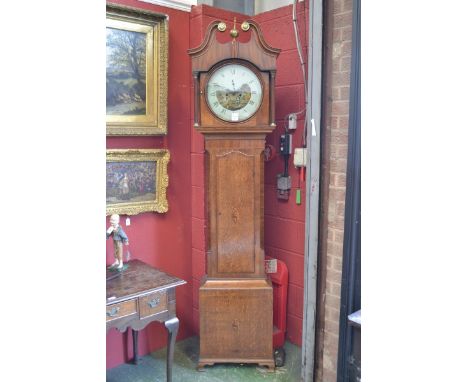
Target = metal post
(313,115)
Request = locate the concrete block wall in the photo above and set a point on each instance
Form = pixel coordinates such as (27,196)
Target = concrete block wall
(285,220)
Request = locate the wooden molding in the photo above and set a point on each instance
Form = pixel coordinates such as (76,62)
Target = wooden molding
(185,6)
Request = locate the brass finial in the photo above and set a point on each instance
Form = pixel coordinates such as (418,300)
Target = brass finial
(245,26)
(222,27)
(234,32)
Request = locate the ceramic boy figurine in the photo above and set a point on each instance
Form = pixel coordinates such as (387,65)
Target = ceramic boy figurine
(119,237)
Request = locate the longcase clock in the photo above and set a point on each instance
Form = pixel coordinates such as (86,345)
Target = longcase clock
(234,110)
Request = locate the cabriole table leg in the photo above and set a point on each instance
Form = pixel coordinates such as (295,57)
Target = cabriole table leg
(135,346)
(172,326)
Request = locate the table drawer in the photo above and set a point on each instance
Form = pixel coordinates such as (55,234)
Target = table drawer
(121,309)
(153,303)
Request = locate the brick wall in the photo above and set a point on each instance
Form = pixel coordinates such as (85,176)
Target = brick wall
(284,221)
(337,38)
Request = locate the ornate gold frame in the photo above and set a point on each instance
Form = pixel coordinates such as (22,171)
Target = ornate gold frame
(161,157)
(156,28)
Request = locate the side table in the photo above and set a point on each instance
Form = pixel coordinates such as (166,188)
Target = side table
(140,295)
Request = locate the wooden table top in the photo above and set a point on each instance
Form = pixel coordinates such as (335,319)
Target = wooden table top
(138,279)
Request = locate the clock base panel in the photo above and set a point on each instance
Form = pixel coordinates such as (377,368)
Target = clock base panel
(236,322)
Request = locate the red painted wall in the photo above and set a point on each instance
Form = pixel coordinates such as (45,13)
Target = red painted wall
(176,241)
(285,220)
(163,240)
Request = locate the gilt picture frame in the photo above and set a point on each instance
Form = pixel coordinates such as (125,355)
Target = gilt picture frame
(136,72)
(136,181)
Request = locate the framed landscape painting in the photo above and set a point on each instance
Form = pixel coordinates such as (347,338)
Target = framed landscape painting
(136,72)
(136,181)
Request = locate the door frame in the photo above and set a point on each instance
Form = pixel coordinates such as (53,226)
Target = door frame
(351,272)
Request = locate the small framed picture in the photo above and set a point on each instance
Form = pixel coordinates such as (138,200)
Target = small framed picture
(136,181)
(136,72)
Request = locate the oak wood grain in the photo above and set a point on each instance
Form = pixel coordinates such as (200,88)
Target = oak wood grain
(137,279)
(235,298)
(152,303)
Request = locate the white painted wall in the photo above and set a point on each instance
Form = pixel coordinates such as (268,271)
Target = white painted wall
(260,5)
(265,5)
(183,5)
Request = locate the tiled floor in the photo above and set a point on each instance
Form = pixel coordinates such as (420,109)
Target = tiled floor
(152,368)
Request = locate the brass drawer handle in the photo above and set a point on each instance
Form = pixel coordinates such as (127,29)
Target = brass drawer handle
(113,312)
(154,302)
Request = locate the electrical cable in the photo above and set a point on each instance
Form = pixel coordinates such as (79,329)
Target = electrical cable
(301,59)
(298,45)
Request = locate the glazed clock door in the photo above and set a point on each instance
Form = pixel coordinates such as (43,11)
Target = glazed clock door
(234,92)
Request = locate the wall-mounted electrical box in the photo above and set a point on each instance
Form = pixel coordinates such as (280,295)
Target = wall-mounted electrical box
(300,157)
(283,181)
(283,185)
(292,122)
(285,144)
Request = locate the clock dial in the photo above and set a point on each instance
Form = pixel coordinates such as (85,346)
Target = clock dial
(234,93)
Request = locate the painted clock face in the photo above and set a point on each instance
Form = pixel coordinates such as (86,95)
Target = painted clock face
(234,93)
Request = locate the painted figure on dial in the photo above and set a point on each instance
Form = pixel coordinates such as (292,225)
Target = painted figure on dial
(119,237)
